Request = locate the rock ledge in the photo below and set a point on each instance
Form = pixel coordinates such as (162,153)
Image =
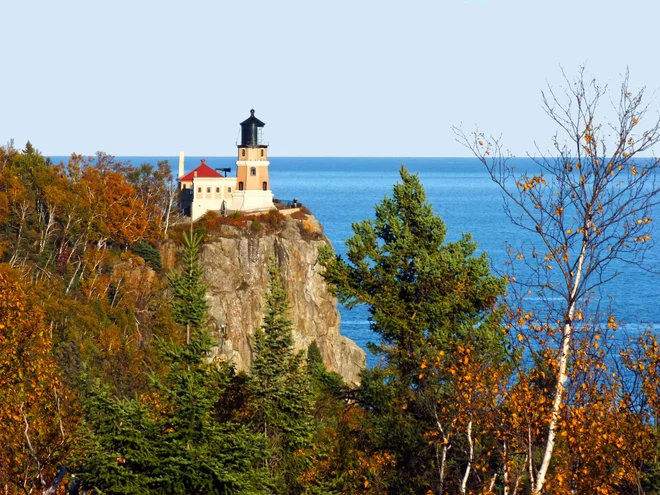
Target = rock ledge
(236,272)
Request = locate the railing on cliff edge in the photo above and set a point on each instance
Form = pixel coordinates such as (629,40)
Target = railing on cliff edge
(283,204)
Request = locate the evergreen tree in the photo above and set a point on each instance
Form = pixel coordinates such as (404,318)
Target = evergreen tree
(188,291)
(175,440)
(425,297)
(149,254)
(280,393)
(326,383)
(170,442)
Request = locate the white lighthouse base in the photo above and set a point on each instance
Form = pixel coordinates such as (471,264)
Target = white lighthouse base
(252,201)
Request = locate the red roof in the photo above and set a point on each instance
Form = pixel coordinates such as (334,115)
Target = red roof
(203,171)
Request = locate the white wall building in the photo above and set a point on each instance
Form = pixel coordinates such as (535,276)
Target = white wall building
(205,189)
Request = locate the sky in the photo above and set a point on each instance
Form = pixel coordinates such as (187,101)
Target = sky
(340,78)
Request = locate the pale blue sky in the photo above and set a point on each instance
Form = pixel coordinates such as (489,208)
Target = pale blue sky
(340,78)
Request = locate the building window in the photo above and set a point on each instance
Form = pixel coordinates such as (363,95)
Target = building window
(229,189)
(199,190)
(253,171)
(262,152)
(208,190)
(240,186)
(260,136)
(217,189)
(265,186)
(243,152)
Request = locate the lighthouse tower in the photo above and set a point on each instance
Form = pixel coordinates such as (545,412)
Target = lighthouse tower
(252,191)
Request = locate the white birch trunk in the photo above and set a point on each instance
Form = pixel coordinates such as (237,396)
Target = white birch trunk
(505,474)
(469,465)
(562,374)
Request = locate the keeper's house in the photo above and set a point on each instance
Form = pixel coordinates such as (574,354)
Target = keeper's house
(204,188)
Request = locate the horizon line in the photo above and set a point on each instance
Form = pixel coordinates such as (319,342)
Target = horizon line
(320,156)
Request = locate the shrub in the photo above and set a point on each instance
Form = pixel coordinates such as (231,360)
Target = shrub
(299,215)
(273,218)
(210,215)
(308,231)
(149,254)
(212,221)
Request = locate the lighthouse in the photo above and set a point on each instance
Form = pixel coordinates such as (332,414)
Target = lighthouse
(252,192)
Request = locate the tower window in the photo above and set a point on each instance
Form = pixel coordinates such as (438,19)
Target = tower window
(260,136)
(240,186)
(243,152)
(199,190)
(208,190)
(217,189)
(253,171)
(262,152)
(265,186)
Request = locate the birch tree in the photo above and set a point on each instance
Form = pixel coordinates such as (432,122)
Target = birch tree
(587,214)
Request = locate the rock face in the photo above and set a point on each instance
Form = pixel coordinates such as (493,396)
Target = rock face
(236,272)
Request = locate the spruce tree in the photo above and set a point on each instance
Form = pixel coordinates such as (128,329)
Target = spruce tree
(425,296)
(188,291)
(173,440)
(170,442)
(280,392)
(327,384)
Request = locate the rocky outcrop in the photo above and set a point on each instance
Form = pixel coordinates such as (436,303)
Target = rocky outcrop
(236,272)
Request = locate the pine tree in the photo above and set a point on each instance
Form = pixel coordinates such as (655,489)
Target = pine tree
(188,291)
(170,442)
(425,297)
(173,440)
(280,392)
(327,384)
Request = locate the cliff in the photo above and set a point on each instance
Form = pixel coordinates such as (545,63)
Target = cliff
(235,261)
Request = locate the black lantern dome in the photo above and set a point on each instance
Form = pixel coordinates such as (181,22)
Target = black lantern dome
(252,132)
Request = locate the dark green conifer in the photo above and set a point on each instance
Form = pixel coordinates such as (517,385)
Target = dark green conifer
(280,393)
(173,440)
(149,254)
(326,383)
(424,296)
(188,291)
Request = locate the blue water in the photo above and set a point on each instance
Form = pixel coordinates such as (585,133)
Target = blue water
(340,191)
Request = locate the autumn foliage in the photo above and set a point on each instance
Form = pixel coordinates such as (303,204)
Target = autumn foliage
(35,408)
(523,382)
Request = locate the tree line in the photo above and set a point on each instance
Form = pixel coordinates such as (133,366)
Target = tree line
(108,384)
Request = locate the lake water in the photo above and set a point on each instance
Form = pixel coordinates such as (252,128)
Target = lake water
(340,191)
